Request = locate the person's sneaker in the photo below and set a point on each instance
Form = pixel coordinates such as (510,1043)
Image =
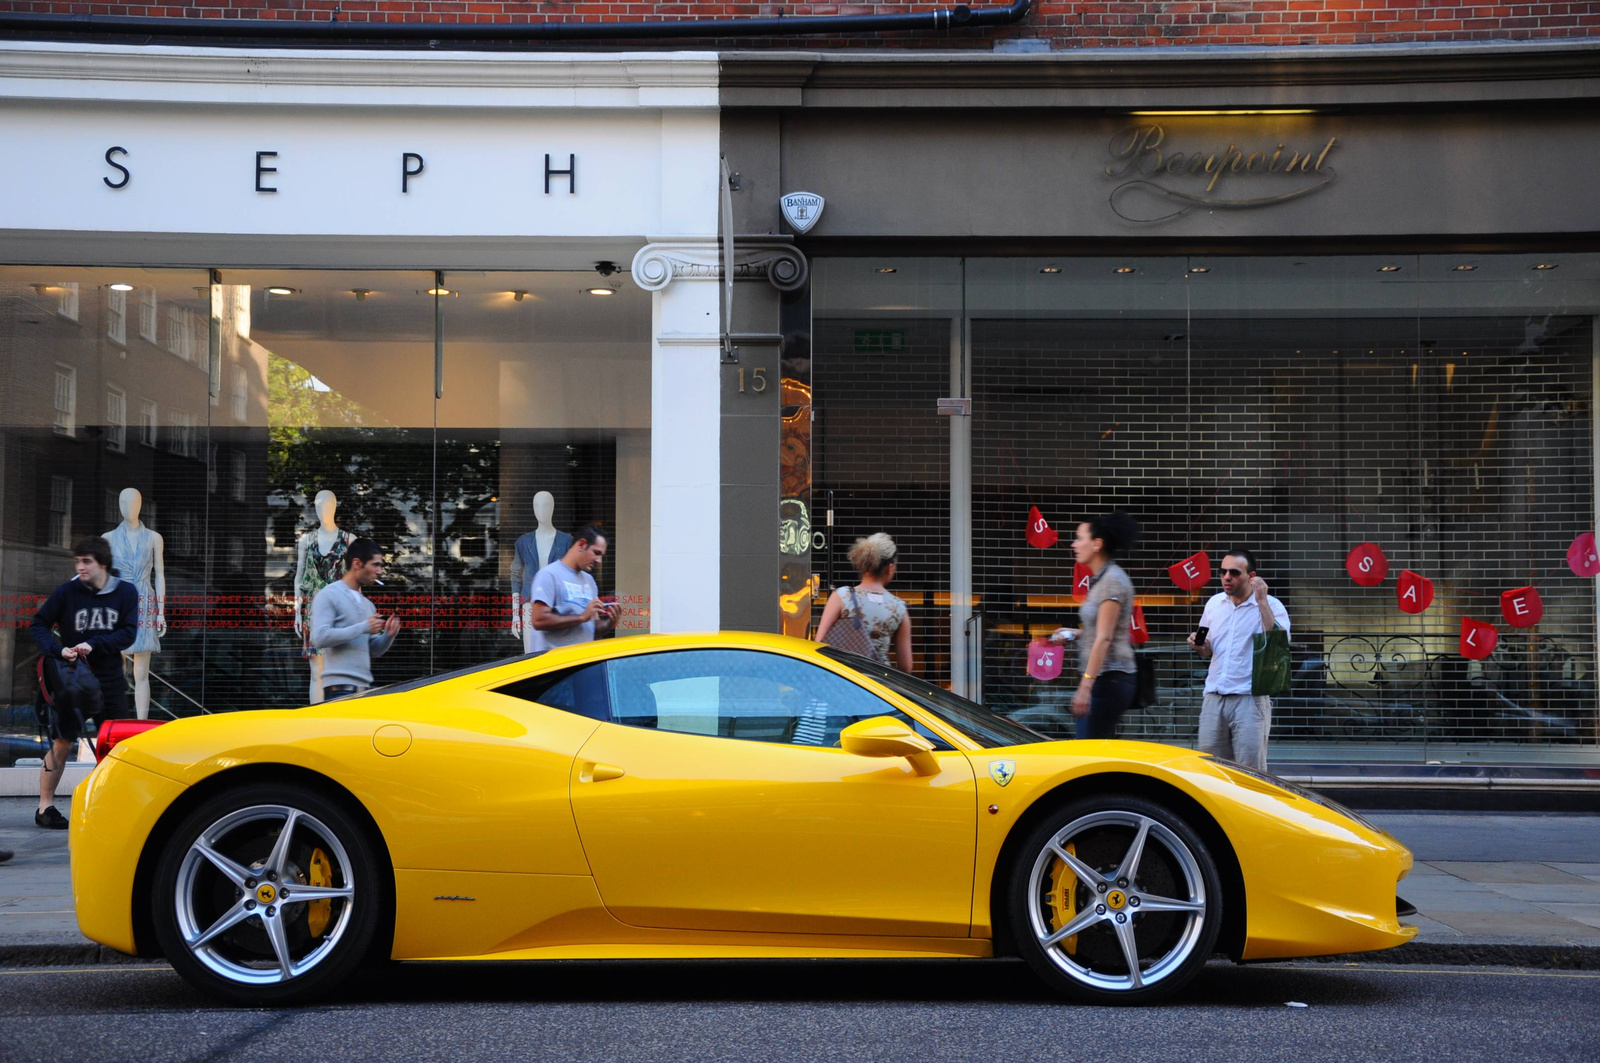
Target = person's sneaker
(50,819)
(5,854)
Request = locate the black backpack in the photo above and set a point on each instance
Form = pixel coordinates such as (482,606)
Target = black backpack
(71,690)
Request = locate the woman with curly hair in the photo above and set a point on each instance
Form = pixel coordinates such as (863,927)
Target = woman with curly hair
(884,616)
(1105,652)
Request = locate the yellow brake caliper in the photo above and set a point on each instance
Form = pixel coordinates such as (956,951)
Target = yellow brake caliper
(1064,899)
(320,873)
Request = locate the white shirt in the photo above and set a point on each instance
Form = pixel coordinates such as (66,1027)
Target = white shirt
(1233,627)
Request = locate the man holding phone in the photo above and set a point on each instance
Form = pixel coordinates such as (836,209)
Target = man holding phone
(565,607)
(346,627)
(1234,723)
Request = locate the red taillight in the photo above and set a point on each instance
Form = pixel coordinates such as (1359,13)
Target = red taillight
(114,731)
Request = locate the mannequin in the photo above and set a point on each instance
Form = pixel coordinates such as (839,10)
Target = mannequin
(535,550)
(136,551)
(319,561)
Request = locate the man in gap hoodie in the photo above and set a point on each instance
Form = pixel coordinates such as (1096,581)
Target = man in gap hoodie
(92,617)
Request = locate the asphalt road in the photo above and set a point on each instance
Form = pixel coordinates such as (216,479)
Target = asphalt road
(808,1010)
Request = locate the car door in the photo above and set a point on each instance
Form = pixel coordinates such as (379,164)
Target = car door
(715,799)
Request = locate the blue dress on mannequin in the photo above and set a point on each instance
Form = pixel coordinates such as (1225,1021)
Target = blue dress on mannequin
(133,552)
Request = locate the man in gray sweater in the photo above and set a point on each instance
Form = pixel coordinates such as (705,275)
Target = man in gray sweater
(346,627)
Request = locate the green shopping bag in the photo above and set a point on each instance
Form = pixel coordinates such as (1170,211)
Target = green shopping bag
(1269,668)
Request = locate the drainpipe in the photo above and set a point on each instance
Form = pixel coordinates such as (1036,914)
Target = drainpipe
(356,33)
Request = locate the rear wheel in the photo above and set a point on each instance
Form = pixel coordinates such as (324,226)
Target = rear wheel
(267,894)
(1115,900)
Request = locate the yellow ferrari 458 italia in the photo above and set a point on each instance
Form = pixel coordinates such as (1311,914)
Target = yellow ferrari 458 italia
(729,795)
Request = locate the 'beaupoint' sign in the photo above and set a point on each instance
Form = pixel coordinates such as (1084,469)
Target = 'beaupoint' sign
(1159,183)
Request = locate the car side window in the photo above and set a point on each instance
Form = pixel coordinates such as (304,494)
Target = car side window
(745,694)
(580,690)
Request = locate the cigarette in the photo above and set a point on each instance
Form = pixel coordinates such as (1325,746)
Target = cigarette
(379,582)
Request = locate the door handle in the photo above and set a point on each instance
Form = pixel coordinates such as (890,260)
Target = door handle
(595,772)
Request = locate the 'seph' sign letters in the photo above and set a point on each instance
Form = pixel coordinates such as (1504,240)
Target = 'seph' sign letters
(1478,639)
(1040,533)
(1044,659)
(1414,593)
(1192,573)
(1367,565)
(1521,607)
(1082,576)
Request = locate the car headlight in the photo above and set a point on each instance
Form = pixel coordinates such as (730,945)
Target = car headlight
(1234,768)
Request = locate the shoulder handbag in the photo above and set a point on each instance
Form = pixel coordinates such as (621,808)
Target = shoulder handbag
(849,634)
(1269,667)
(1144,691)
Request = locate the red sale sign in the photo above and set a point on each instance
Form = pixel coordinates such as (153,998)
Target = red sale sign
(1582,556)
(1367,565)
(1044,659)
(1040,533)
(1192,572)
(1413,592)
(1138,634)
(1082,576)
(1478,639)
(1521,607)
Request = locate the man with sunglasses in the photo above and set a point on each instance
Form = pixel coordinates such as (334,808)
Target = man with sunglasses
(1233,722)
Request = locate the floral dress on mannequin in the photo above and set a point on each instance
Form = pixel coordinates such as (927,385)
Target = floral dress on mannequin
(320,570)
(133,552)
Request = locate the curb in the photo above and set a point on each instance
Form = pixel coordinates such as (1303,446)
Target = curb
(1541,957)
(1538,957)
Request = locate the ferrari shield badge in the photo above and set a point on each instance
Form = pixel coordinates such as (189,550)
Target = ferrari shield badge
(802,209)
(1002,771)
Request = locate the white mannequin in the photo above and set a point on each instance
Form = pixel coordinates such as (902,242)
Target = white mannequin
(130,531)
(327,536)
(544,538)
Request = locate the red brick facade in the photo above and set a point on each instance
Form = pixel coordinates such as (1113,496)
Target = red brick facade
(1096,23)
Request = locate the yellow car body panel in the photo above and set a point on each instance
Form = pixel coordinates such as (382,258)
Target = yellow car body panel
(516,830)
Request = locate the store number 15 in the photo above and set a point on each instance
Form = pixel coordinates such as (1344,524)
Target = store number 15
(757,380)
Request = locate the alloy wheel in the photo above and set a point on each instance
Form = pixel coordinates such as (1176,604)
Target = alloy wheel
(1117,901)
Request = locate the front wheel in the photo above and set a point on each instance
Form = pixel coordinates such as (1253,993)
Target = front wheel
(1115,900)
(267,894)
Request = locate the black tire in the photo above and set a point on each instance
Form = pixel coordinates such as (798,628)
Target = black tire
(1111,912)
(221,872)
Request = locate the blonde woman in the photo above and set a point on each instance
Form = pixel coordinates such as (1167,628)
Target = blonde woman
(884,616)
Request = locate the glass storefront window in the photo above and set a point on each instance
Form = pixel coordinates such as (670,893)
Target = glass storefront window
(267,417)
(1440,406)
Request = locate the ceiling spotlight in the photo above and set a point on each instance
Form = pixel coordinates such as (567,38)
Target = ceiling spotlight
(888,269)
(360,293)
(519,295)
(1199,269)
(440,291)
(1051,269)
(1546,265)
(1388,269)
(601,291)
(122,287)
(280,290)
(1463,268)
(1125,269)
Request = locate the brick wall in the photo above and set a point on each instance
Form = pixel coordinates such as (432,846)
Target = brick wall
(1102,23)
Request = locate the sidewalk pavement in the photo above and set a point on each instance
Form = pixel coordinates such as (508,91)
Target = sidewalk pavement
(1518,888)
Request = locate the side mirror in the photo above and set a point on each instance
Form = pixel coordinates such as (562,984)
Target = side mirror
(885,736)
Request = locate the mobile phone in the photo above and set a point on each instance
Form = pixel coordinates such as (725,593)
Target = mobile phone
(1200,634)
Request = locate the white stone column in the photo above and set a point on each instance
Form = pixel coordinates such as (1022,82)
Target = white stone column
(685,436)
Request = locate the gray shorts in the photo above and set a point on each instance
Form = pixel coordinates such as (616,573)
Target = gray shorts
(1235,727)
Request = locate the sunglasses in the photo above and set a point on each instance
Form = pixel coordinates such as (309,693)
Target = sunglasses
(1236,573)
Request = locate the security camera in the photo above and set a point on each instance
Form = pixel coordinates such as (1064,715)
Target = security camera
(605,269)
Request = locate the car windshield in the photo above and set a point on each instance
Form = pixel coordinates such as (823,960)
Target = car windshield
(988,729)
